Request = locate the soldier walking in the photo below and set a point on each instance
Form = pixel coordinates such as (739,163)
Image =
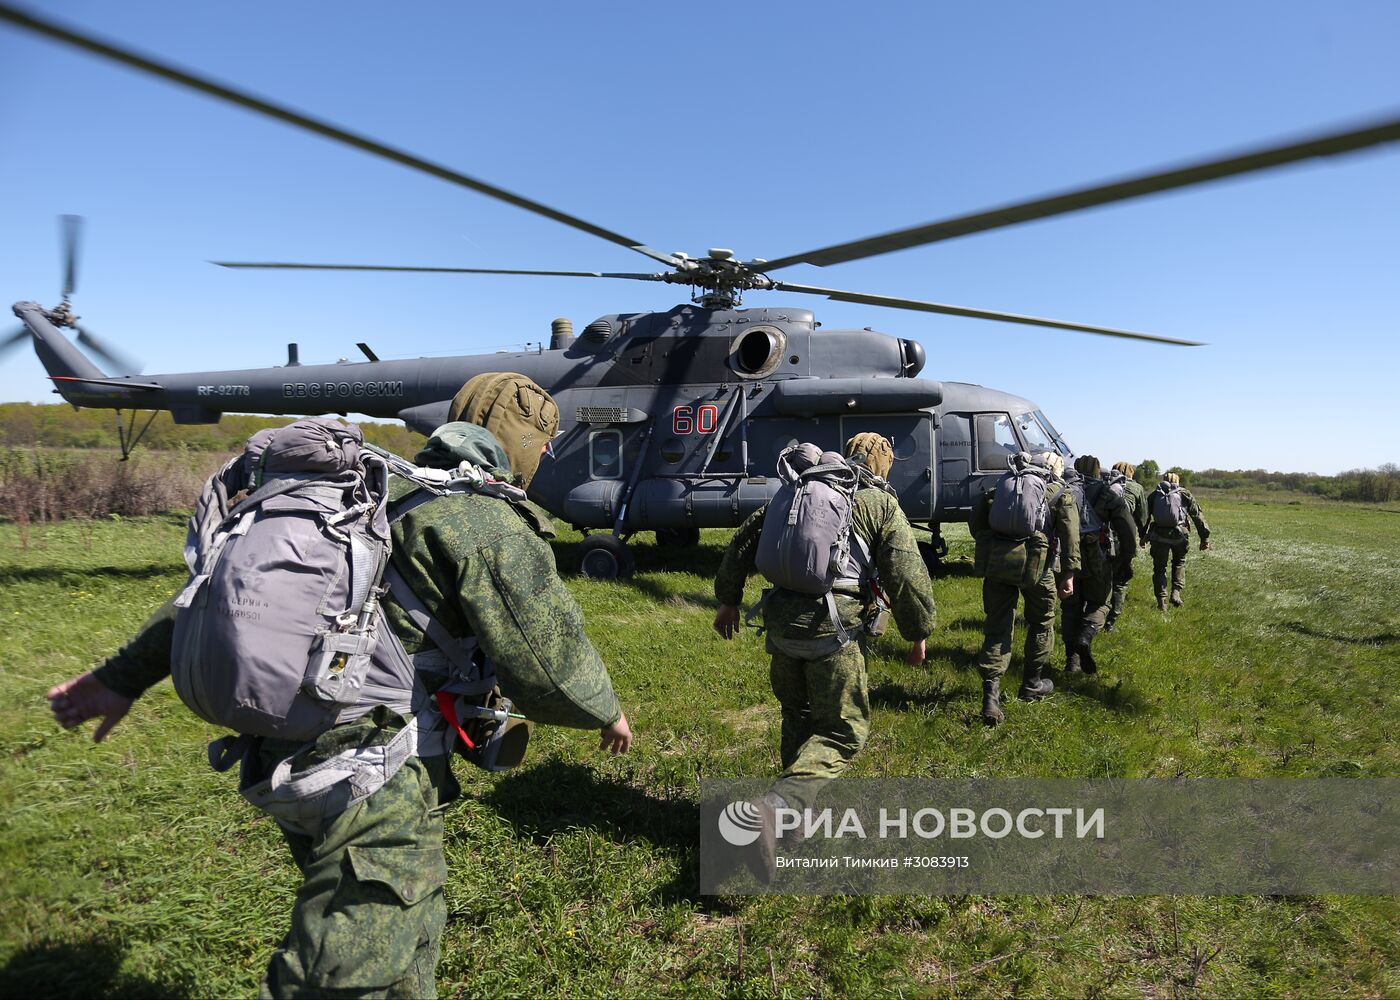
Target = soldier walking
(818,659)
(369,915)
(1171,510)
(1136,499)
(1107,540)
(1034,560)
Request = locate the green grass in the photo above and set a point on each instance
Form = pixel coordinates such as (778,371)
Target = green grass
(131,869)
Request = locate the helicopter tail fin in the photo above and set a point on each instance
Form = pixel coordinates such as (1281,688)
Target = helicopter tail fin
(60,358)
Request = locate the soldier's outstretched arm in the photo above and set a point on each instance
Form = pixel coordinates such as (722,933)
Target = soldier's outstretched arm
(734,571)
(107,692)
(529,624)
(1193,509)
(1064,516)
(904,575)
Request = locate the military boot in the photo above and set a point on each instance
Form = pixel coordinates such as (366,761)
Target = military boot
(1161,601)
(1110,625)
(1086,658)
(1033,686)
(1072,664)
(1176,597)
(991,702)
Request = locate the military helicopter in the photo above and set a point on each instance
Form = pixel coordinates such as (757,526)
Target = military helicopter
(671,421)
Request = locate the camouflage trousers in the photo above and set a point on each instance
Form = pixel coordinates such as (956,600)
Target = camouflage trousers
(999,603)
(1120,591)
(1087,609)
(1177,551)
(370,911)
(826,719)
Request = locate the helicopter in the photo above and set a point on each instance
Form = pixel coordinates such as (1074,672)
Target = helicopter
(671,421)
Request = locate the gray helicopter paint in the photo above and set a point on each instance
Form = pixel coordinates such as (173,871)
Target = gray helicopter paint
(669,419)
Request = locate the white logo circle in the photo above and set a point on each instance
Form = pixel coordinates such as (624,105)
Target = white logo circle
(739,823)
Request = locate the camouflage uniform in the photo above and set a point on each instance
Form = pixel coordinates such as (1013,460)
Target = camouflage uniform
(824,699)
(1087,609)
(1136,499)
(370,911)
(999,598)
(1167,540)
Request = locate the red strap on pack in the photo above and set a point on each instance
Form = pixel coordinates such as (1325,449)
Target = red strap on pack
(447,704)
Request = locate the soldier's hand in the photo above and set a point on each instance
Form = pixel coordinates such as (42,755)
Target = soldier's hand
(1065,588)
(727,620)
(617,737)
(85,697)
(916,653)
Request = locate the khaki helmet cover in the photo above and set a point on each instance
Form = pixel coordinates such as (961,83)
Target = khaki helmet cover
(872,450)
(521,415)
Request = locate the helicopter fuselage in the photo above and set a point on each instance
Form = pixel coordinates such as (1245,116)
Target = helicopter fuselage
(668,419)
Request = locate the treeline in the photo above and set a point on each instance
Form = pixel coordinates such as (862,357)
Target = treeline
(31,425)
(1380,485)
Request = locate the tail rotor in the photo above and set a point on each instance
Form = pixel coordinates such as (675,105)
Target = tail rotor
(62,315)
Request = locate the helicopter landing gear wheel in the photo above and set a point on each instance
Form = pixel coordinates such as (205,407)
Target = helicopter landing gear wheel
(605,557)
(677,538)
(934,553)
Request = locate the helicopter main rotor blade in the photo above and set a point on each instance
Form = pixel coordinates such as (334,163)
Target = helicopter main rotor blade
(1326,144)
(223,92)
(275,266)
(949,310)
(12,341)
(72,230)
(122,363)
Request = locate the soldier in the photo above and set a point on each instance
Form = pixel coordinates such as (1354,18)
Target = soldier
(1107,541)
(825,704)
(370,912)
(1036,562)
(1136,499)
(1171,509)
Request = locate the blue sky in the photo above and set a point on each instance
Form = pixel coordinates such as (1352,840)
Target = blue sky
(767,128)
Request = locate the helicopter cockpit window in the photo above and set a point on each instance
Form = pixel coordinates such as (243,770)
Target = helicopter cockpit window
(757,351)
(1033,434)
(1060,443)
(605,454)
(996,441)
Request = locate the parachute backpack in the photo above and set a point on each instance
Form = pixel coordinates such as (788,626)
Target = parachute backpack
(1089,521)
(808,544)
(1167,508)
(1021,506)
(279,631)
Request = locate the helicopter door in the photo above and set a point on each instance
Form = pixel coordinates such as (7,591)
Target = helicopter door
(912,475)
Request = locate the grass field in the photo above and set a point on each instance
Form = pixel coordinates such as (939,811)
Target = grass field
(131,869)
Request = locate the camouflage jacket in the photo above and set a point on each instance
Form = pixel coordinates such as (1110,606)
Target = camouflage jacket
(1064,525)
(880,523)
(1168,532)
(481,568)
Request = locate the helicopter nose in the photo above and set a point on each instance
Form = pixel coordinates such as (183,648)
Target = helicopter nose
(912,354)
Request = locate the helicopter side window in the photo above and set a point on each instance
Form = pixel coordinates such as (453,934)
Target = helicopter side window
(605,454)
(1033,434)
(996,441)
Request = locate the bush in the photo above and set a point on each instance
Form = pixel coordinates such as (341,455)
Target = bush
(46,484)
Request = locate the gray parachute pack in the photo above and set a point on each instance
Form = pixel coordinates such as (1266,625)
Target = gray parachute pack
(279,631)
(1089,521)
(1021,505)
(808,544)
(1167,509)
